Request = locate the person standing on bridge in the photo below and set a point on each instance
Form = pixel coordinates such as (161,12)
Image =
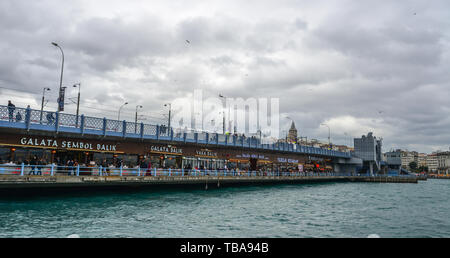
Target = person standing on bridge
(40,164)
(70,165)
(149,168)
(11,108)
(50,118)
(18,117)
(33,164)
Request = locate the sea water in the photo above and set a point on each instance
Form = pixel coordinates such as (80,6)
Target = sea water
(321,210)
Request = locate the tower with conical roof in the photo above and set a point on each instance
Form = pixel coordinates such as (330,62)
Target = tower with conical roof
(293,134)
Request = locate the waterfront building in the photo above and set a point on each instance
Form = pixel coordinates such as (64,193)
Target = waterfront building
(432,163)
(443,159)
(422,160)
(394,159)
(368,148)
(408,157)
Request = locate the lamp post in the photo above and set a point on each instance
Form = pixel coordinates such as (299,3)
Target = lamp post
(118,118)
(225,98)
(135,120)
(78,100)
(170,114)
(329,134)
(42,105)
(60,101)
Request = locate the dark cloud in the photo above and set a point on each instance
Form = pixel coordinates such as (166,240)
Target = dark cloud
(339,63)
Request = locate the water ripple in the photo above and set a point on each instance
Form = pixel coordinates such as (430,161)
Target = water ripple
(317,210)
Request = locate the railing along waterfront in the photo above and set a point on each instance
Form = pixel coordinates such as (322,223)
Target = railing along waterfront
(60,122)
(76,171)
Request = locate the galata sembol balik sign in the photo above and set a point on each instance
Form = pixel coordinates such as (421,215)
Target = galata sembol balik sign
(64,144)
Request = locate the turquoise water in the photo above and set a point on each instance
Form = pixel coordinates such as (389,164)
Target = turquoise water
(328,210)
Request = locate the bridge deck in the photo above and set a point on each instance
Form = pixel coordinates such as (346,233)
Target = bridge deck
(15,182)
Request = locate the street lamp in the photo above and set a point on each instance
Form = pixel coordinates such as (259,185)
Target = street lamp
(170,114)
(135,121)
(42,105)
(329,134)
(126,103)
(60,101)
(78,101)
(225,98)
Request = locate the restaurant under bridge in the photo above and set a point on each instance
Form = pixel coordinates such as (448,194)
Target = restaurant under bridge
(44,138)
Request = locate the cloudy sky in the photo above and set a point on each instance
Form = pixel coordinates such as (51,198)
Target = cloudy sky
(358,66)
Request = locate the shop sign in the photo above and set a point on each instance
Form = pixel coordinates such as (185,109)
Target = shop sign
(55,143)
(206,153)
(251,156)
(315,159)
(284,160)
(166,149)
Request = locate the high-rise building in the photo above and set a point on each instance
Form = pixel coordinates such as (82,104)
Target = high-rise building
(368,148)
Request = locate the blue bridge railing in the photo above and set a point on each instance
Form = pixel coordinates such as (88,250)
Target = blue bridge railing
(30,119)
(77,171)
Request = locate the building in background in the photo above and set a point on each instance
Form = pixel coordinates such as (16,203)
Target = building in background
(443,159)
(436,162)
(432,163)
(293,134)
(393,160)
(368,148)
(343,148)
(293,138)
(408,157)
(314,143)
(422,160)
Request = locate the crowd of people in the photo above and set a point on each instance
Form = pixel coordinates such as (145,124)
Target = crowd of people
(36,166)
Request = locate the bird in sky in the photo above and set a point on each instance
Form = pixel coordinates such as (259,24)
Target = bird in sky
(187,41)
